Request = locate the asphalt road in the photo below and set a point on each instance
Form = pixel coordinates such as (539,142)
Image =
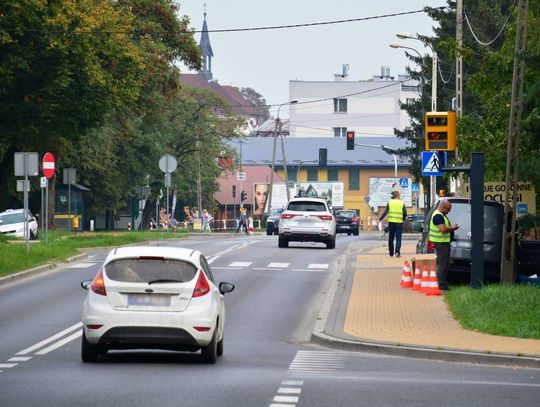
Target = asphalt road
(267,359)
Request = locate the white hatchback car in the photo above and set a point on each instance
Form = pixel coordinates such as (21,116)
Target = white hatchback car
(156,298)
(12,223)
(307,220)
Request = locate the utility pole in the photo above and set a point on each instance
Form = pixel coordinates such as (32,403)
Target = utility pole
(512,152)
(457,185)
(284,164)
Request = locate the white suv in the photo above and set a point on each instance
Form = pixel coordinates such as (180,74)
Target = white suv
(307,220)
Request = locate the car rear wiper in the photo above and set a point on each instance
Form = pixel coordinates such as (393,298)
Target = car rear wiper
(165,280)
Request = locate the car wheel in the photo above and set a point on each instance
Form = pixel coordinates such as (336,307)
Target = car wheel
(355,233)
(220,346)
(209,353)
(89,352)
(33,236)
(349,233)
(331,244)
(282,242)
(269,232)
(276,232)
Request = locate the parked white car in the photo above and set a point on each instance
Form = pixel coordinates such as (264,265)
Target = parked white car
(156,298)
(12,223)
(307,220)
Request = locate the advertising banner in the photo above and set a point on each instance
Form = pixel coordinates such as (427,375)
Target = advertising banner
(381,188)
(525,195)
(260,198)
(333,192)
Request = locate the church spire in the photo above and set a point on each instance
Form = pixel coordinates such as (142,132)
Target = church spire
(206,49)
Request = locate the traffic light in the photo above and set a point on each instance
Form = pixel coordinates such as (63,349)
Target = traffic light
(323,154)
(440,131)
(234,191)
(350,140)
(243,196)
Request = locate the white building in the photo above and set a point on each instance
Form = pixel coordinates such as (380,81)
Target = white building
(367,107)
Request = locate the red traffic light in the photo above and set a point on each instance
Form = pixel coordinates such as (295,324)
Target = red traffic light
(350,140)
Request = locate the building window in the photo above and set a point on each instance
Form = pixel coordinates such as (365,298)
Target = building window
(340,105)
(312,174)
(333,174)
(354,179)
(340,131)
(292,173)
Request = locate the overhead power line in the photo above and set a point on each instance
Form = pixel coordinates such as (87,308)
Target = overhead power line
(498,34)
(350,20)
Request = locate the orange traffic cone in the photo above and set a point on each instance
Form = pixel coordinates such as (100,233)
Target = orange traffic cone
(425,279)
(406,276)
(417,281)
(433,284)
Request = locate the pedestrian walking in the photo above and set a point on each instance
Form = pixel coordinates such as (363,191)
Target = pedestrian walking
(242,221)
(441,233)
(206,218)
(396,211)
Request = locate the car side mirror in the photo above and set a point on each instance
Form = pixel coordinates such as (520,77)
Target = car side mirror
(86,284)
(225,288)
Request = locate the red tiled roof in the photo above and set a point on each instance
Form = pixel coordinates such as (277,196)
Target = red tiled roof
(230,94)
(254,175)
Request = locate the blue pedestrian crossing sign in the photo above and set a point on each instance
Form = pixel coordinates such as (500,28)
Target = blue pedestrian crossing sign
(432,162)
(404,183)
(415,187)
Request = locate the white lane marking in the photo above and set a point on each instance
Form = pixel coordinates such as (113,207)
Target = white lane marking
(48,340)
(81,265)
(240,264)
(289,390)
(282,405)
(286,399)
(292,382)
(265,269)
(60,343)
(20,359)
(212,259)
(308,270)
(235,247)
(226,268)
(278,265)
(317,362)
(317,266)
(7,365)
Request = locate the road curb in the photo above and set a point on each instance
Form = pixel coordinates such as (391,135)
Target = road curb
(323,334)
(39,269)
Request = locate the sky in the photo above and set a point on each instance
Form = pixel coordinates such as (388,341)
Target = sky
(267,60)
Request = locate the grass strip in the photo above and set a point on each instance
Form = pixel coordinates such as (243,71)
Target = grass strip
(506,310)
(61,245)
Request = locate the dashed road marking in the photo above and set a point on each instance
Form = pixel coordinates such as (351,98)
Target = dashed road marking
(50,339)
(20,359)
(278,265)
(317,266)
(289,390)
(61,343)
(81,265)
(240,264)
(7,365)
(286,399)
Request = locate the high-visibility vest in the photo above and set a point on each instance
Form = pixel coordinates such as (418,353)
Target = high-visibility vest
(395,210)
(435,235)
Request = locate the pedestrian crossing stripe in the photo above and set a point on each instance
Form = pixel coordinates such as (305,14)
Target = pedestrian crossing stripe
(240,264)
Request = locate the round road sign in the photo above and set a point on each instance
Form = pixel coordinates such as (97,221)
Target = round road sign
(167,163)
(48,165)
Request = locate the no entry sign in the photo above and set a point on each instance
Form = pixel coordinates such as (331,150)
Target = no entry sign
(48,165)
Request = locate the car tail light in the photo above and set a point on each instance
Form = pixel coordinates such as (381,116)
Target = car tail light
(430,246)
(98,284)
(94,326)
(324,217)
(202,287)
(202,328)
(287,216)
(355,219)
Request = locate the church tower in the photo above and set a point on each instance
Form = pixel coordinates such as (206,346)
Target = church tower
(206,49)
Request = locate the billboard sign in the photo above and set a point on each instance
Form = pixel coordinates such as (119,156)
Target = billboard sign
(381,188)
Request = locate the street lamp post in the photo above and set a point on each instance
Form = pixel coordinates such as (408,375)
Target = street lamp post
(277,131)
(432,179)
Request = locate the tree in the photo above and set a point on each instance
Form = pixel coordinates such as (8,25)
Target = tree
(255,98)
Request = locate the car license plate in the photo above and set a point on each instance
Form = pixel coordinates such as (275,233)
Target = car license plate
(155,300)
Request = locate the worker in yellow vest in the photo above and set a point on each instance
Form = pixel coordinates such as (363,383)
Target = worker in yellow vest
(396,211)
(441,232)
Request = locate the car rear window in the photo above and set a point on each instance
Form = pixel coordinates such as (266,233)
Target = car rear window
(145,270)
(347,214)
(307,206)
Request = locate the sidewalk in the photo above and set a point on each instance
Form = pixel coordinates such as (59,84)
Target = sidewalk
(366,309)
